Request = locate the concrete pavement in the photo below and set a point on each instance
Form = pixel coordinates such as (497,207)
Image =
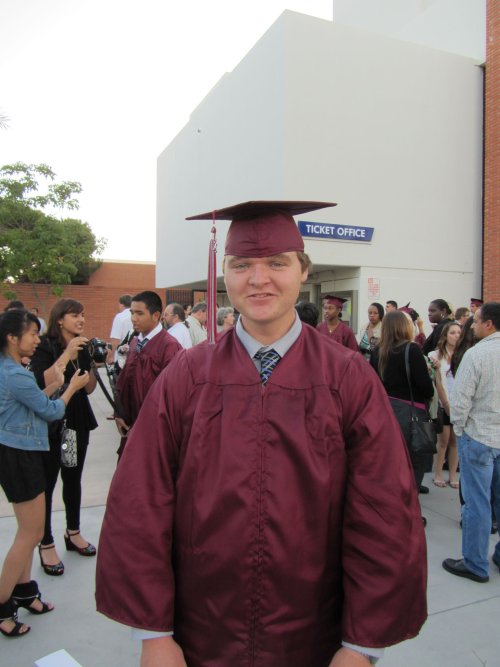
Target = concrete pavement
(462,629)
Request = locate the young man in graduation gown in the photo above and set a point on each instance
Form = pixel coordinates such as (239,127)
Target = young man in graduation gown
(333,326)
(264,517)
(149,353)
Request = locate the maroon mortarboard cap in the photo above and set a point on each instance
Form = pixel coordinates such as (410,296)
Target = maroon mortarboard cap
(406,309)
(335,300)
(477,302)
(263,228)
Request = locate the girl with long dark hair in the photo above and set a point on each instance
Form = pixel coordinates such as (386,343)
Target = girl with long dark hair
(65,346)
(441,359)
(465,342)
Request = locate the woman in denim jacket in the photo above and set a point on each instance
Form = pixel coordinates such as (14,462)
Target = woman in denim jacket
(24,413)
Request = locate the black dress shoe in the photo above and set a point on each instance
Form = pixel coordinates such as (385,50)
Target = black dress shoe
(458,568)
(497,563)
(423,489)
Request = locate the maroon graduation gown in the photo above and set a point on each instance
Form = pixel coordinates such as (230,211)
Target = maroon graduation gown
(265,524)
(140,371)
(342,334)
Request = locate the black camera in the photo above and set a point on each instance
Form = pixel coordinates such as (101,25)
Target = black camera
(98,350)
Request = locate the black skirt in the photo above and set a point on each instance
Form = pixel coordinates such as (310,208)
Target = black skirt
(21,474)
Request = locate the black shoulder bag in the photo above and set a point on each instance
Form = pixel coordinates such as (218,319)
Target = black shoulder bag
(423,436)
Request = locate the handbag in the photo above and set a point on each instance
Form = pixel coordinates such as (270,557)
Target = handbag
(423,436)
(69,455)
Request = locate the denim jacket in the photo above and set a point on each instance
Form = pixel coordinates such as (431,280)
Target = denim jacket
(24,408)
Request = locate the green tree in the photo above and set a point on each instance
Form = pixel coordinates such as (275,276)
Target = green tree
(36,247)
(20,182)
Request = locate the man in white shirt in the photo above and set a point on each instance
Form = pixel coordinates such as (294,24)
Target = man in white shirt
(475,414)
(122,324)
(43,326)
(197,321)
(174,319)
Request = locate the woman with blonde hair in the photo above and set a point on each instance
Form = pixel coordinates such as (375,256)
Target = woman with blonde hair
(388,359)
(441,359)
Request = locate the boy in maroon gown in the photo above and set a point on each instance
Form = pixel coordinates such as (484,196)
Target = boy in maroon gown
(265,510)
(150,352)
(333,326)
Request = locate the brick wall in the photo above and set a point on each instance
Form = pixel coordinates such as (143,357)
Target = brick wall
(491,265)
(114,274)
(100,297)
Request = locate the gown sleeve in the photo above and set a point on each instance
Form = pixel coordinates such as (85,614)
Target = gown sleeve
(383,547)
(350,340)
(134,578)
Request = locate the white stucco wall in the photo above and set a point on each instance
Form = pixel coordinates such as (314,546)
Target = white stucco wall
(231,150)
(420,287)
(458,26)
(392,131)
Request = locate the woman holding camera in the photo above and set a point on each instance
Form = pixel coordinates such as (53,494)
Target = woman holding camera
(64,347)
(24,413)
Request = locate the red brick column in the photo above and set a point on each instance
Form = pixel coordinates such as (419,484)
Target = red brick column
(491,266)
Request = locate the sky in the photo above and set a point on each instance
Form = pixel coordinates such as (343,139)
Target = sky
(97,89)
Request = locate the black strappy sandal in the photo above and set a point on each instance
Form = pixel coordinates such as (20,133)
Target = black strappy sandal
(8,612)
(89,550)
(52,570)
(24,595)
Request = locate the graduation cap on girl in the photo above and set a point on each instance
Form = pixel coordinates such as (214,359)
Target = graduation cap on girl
(258,229)
(334,300)
(410,311)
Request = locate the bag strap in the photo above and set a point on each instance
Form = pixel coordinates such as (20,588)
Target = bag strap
(408,377)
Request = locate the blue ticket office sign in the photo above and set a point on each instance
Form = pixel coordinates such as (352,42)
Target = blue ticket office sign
(320,230)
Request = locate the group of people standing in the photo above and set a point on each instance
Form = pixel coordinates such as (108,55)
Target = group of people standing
(463,385)
(393,340)
(44,387)
(186,323)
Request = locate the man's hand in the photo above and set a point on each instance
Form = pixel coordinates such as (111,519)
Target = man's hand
(161,652)
(346,657)
(122,426)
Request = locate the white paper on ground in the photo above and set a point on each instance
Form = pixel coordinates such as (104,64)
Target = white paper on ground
(58,659)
